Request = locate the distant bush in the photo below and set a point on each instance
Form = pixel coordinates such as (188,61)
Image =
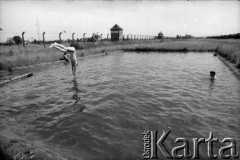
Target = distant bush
(82,54)
(17,40)
(35,41)
(2,66)
(9,41)
(185,49)
(76,45)
(235,36)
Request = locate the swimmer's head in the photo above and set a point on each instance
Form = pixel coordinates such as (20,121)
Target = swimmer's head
(212,73)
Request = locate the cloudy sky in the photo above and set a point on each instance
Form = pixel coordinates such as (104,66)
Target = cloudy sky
(198,18)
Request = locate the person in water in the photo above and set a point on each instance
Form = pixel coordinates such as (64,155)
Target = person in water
(71,51)
(212,75)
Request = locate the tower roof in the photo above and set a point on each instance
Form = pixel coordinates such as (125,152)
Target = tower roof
(116,27)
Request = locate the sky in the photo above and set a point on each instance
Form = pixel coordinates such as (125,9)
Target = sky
(197,18)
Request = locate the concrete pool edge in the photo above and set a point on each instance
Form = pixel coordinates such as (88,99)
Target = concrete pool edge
(11,148)
(231,66)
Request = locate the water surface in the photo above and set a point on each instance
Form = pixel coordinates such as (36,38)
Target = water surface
(102,113)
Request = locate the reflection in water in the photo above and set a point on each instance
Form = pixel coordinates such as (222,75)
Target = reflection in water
(75,89)
(76,106)
(211,86)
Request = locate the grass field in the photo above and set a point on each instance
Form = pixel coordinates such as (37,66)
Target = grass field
(18,56)
(227,48)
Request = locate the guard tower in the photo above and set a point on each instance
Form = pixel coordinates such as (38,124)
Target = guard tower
(160,35)
(116,33)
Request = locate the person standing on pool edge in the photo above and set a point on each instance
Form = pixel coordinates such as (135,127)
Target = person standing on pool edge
(72,57)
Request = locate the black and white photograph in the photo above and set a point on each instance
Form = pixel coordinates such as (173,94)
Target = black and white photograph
(119,79)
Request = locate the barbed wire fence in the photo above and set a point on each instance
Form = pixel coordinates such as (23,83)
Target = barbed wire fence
(64,36)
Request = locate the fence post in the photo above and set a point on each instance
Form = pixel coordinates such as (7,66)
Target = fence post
(73,36)
(84,38)
(60,37)
(44,40)
(93,38)
(23,41)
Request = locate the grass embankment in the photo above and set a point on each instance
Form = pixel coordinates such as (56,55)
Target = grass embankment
(184,45)
(227,48)
(18,56)
(230,52)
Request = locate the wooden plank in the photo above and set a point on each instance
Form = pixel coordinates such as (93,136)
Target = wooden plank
(17,78)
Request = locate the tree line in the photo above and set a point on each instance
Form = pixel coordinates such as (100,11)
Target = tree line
(234,36)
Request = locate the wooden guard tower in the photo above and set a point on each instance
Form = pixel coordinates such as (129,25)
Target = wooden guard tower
(116,33)
(160,35)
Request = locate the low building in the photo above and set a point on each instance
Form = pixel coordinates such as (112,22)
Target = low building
(116,33)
